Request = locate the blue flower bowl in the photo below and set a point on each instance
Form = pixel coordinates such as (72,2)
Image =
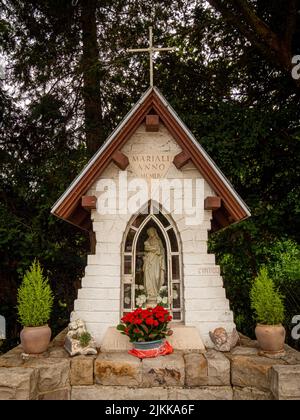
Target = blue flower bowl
(147,345)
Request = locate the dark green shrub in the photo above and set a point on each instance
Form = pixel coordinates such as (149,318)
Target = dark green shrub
(35,298)
(266,301)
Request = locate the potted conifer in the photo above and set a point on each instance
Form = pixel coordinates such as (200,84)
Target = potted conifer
(268,306)
(35,301)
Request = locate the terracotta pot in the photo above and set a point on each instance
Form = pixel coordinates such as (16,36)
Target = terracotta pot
(270,337)
(35,340)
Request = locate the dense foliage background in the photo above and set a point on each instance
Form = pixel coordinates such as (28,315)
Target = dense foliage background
(67,80)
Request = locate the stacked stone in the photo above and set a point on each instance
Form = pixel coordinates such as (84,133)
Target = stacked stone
(241,374)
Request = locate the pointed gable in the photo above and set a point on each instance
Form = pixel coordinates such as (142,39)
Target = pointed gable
(230,209)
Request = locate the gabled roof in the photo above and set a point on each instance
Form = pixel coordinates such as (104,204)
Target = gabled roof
(68,207)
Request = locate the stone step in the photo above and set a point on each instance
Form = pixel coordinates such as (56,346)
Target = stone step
(201,270)
(207,304)
(99,294)
(99,282)
(203,281)
(113,247)
(195,247)
(196,259)
(204,293)
(194,235)
(97,305)
(206,316)
(110,318)
(105,258)
(103,270)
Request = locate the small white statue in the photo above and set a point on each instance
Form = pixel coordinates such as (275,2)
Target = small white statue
(154,265)
(78,340)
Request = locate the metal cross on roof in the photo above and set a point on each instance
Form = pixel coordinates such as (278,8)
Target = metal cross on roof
(151,50)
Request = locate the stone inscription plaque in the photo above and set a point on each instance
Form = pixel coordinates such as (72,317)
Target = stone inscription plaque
(148,165)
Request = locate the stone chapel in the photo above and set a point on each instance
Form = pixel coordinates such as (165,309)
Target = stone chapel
(151,143)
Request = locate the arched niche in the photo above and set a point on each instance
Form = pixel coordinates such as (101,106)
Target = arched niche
(132,278)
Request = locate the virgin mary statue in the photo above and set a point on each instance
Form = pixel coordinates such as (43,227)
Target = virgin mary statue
(154,265)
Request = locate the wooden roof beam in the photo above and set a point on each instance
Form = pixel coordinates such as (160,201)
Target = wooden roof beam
(212,203)
(152,123)
(181,159)
(89,202)
(120,160)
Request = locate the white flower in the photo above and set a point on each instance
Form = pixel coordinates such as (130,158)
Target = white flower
(136,287)
(143,298)
(127,300)
(163,288)
(165,300)
(141,288)
(138,302)
(175,295)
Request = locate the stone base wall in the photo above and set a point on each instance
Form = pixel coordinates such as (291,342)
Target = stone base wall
(241,374)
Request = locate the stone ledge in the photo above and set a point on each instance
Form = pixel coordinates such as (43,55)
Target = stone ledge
(163,371)
(82,370)
(252,371)
(62,394)
(18,383)
(211,369)
(182,375)
(251,394)
(98,392)
(52,373)
(185,339)
(118,369)
(285,382)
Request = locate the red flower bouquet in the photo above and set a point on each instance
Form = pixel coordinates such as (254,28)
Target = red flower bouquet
(144,325)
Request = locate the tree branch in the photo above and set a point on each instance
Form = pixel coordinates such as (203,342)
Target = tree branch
(257,25)
(291,20)
(234,21)
(241,15)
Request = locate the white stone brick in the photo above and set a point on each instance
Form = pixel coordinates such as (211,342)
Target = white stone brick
(111,318)
(197,270)
(196,224)
(96,305)
(195,247)
(104,259)
(204,293)
(203,281)
(113,237)
(103,270)
(114,248)
(208,316)
(174,173)
(194,235)
(207,270)
(93,293)
(98,330)
(206,304)
(100,282)
(196,259)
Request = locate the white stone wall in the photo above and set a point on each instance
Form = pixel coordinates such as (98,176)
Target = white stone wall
(205,303)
